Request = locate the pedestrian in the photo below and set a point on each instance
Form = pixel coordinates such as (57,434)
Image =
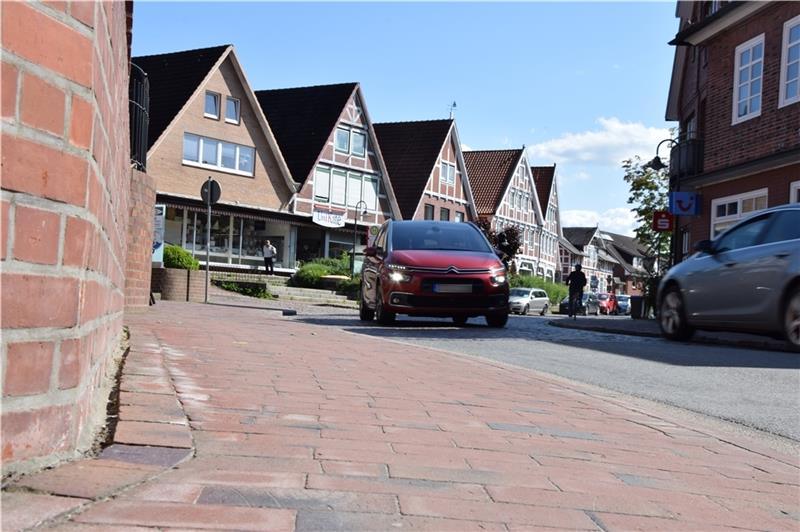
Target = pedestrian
(269,257)
(576,281)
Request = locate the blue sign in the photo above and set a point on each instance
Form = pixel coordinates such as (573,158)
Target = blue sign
(684,203)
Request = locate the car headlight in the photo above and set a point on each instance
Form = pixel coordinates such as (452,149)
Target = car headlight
(498,277)
(398,274)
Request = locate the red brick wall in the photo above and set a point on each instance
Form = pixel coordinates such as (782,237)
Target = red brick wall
(777,129)
(65,199)
(140,241)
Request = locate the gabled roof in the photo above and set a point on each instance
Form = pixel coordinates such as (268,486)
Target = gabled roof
(579,236)
(490,171)
(543,177)
(627,244)
(174,77)
(302,119)
(410,151)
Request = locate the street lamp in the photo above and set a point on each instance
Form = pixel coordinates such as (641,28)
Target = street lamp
(656,163)
(361,210)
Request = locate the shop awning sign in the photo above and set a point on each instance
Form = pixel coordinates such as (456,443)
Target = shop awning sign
(327,218)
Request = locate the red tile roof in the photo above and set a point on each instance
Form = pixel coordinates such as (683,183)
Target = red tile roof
(543,178)
(489,173)
(410,151)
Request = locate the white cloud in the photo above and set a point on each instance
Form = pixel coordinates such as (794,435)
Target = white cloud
(614,141)
(619,220)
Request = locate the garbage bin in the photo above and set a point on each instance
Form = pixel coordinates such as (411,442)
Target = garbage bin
(637,307)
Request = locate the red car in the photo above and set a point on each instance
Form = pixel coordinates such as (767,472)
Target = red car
(608,304)
(427,268)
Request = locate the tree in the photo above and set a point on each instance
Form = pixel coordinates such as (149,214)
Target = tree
(508,241)
(649,192)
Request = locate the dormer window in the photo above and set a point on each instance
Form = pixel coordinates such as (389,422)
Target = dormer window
(212,105)
(342,140)
(350,141)
(231,110)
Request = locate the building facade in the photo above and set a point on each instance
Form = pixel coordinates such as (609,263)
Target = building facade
(549,263)
(735,91)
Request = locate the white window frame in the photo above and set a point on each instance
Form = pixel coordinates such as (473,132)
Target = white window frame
(218,166)
(782,100)
(351,132)
(322,193)
(752,43)
(794,192)
(216,96)
(336,136)
(738,198)
(238,110)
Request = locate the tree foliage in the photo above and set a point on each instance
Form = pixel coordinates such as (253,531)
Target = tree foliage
(508,241)
(648,193)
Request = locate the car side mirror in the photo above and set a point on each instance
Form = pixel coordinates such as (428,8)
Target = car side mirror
(705,246)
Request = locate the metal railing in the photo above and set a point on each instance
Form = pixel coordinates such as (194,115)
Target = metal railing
(139,109)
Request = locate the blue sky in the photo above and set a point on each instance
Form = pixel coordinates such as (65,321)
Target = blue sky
(583,85)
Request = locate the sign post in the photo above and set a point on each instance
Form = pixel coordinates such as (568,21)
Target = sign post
(210,192)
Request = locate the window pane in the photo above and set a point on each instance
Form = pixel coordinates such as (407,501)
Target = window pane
(794,52)
(212,104)
(743,236)
(229,155)
(338,187)
(322,183)
(757,50)
(210,151)
(247,158)
(755,104)
(794,33)
(353,189)
(743,93)
(747,204)
(444,215)
(744,57)
(359,143)
(742,109)
(791,72)
(342,140)
(755,87)
(785,227)
(429,212)
(744,74)
(791,89)
(720,211)
(370,193)
(232,109)
(191,147)
(755,72)
(761,203)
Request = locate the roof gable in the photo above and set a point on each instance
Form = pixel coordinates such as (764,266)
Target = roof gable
(302,120)
(410,151)
(579,236)
(174,78)
(489,174)
(543,177)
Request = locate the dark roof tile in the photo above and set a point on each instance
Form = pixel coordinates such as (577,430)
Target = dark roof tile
(410,150)
(489,174)
(543,178)
(579,236)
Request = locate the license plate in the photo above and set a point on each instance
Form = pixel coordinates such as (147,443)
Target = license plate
(452,288)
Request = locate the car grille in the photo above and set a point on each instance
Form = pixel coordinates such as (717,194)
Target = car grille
(449,270)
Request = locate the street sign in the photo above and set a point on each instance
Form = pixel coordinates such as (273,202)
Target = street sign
(158,234)
(210,191)
(663,221)
(684,203)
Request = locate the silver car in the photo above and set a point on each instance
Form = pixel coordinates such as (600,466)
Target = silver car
(524,300)
(747,279)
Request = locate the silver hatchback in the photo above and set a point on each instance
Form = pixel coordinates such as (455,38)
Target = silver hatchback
(523,300)
(747,279)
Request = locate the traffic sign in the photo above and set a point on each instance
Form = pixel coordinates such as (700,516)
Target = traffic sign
(210,192)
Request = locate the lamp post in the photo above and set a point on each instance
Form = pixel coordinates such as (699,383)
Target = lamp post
(361,210)
(657,164)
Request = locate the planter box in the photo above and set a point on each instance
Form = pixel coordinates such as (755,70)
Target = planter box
(180,285)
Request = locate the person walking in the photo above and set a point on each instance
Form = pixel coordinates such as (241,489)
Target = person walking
(269,257)
(576,281)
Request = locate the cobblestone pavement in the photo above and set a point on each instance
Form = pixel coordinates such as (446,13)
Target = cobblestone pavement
(239,418)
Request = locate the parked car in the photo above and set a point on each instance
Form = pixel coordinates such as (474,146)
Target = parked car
(624,304)
(589,305)
(608,303)
(524,300)
(427,268)
(747,279)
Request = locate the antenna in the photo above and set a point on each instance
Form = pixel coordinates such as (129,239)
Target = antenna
(452,109)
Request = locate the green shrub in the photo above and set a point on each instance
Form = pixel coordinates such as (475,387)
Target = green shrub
(309,274)
(248,289)
(555,291)
(350,287)
(177,257)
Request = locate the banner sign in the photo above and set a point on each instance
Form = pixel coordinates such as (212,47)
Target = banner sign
(373,234)
(663,221)
(158,234)
(328,218)
(684,203)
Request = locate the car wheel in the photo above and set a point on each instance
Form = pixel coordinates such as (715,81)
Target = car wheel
(791,319)
(460,320)
(525,310)
(364,312)
(672,316)
(383,316)
(545,310)
(497,320)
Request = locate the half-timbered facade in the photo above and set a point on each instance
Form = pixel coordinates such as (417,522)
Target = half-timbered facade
(548,265)
(505,194)
(327,138)
(427,170)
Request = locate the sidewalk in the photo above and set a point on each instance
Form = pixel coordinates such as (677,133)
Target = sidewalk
(651,328)
(239,418)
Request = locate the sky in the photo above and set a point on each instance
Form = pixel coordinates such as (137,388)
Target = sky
(579,84)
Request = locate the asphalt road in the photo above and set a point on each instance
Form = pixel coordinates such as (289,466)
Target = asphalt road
(751,388)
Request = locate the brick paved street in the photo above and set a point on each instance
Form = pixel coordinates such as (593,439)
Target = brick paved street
(239,418)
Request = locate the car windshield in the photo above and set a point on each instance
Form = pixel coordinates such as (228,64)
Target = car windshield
(440,236)
(519,292)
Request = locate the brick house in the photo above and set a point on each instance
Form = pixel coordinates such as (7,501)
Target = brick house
(505,194)
(205,122)
(71,224)
(549,267)
(735,92)
(629,273)
(329,144)
(426,169)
